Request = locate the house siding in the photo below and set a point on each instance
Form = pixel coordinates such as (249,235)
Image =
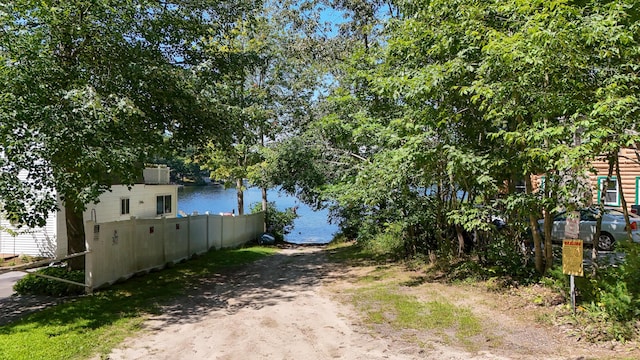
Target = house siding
(40,241)
(29,241)
(629,172)
(142,203)
(629,177)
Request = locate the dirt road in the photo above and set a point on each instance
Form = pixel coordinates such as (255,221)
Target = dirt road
(285,307)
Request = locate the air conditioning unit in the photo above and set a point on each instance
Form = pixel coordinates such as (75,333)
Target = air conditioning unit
(156,175)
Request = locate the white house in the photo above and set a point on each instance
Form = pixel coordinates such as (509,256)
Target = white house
(155,198)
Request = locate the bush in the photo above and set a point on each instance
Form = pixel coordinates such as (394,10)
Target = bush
(37,285)
(389,242)
(278,222)
(505,257)
(617,288)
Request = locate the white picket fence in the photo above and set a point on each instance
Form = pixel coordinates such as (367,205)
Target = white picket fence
(117,250)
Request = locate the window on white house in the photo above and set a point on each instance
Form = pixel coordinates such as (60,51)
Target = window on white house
(124,206)
(612,191)
(163,204)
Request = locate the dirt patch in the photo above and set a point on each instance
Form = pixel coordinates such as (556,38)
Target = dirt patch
(8,260)
(295,305)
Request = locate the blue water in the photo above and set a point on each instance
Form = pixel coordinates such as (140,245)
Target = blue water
(311,227)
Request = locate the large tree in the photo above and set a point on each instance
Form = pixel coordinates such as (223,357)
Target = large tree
(90,90)
(463,100)
(275,56)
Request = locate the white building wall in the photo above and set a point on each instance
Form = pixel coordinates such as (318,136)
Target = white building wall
(39,241)
(142,203)
(29,241)
(42,241)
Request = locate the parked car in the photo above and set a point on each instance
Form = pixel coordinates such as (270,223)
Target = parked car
(613,227)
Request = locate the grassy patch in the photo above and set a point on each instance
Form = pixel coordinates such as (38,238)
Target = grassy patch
(383,300)
(385,304)
(95,324)
(353,254)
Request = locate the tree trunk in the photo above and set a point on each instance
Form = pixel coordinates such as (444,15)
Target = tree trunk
(75,235)
(548,226)
(460,236)
(601,201)
(548,249)
(240,195)
(623,201)
(533,223)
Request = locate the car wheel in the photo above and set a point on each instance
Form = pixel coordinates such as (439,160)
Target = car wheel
(605,242)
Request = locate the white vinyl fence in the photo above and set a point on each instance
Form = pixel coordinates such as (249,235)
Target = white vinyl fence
(117,250)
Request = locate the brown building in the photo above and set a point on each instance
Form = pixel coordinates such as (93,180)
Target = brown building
(629,181)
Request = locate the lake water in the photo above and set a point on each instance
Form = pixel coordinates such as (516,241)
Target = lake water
(311,227)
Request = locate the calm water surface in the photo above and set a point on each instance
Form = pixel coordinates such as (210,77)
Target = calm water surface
(310,227)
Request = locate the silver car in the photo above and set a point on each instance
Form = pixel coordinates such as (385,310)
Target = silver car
(613,227)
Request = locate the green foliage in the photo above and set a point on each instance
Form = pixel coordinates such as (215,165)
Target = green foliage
(556,280)
(37,285)
(425,131)
(390,242)
(609,304)
(617,291)
(278,222)
(183,169)
(507,258)
(90,92)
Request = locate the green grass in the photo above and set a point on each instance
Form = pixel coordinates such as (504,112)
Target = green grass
(354,254)
(380,300)
(95,324)
(385,304)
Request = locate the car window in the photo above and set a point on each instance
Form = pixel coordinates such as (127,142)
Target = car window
(586,215)
(620,214)
(614,212)
(560,217)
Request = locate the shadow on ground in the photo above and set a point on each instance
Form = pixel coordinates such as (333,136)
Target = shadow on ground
(267,282)
(15,307)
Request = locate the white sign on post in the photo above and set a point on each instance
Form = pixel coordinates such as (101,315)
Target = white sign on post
(572,227)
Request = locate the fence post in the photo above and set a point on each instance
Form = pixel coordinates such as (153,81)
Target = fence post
(133,260)
(222,221)
(188,236)
(164,239)
(88,259)
(207,230)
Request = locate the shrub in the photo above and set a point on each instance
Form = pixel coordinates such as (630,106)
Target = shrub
(37,285)
(617,291)
(278,222)
(388,242)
